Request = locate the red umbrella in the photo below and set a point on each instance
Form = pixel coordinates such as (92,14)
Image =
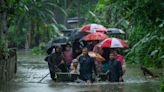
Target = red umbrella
(93,28)
(112,43)
(95,36)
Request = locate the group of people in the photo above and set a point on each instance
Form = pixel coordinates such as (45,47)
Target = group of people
(84,65)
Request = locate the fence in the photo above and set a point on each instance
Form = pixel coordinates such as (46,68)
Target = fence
(8,67)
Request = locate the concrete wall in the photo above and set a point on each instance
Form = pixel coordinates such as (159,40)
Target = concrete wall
(8,67)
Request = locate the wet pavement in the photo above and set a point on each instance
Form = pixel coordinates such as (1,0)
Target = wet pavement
(31,69)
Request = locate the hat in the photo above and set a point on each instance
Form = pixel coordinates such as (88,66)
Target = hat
(74,60)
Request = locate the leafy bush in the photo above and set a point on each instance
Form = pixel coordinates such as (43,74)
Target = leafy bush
(143,22)
(147,51)
(3,50)
(162,87)
(162,84)
(40,50)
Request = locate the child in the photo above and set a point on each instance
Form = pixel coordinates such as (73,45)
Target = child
(74,68)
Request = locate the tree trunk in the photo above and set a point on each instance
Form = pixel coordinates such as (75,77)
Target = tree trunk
(27,42)
(65,17)
(29,38)
(3,23)
(37,35)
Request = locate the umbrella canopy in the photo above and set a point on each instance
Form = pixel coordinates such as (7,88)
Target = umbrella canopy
(95,36)
(115,31)
(77,35)
(50,49)
(112,43)
(60,40)
(91,28)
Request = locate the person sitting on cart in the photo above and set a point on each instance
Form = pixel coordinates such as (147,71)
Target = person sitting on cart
(68,55)
(74,68)
(87,65)
(56,63)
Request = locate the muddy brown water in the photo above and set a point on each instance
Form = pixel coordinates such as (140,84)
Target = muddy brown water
(32,68)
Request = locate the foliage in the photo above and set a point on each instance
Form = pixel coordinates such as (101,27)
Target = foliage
(31,20)
(162,87)
(148,51)
(162,84)
(85,7)
(143,22)
(18,37)
(3,50)
(40,50)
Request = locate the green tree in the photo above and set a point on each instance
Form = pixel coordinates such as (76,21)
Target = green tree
(143,21)
(26,17)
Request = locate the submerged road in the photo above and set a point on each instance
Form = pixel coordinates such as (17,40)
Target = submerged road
(31,69)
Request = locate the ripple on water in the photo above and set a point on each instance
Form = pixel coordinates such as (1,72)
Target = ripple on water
(32,68)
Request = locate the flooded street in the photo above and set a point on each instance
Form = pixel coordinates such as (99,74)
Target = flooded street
(31,69)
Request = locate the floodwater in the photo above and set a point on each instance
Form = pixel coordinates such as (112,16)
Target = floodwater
(31,69)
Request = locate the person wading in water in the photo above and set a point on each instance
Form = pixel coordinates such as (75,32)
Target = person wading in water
(56,63)
(87,65)
(115,69)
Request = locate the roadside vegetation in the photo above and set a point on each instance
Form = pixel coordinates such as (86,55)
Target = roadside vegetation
(31,23)
(143,21)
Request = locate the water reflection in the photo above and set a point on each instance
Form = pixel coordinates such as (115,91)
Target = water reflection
(32,68)
(67,87)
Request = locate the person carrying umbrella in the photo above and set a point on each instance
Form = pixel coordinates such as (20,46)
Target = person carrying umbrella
(95,38)
(111,43)
(87,65)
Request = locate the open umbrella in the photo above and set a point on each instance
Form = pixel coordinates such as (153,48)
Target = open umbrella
(112,43)
(95,36)
(91,28)
(115,31)
(60,40)
(77,35)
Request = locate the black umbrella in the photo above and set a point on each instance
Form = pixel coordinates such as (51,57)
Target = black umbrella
(58,41)
(49,50)
(76,35)
(115,31)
